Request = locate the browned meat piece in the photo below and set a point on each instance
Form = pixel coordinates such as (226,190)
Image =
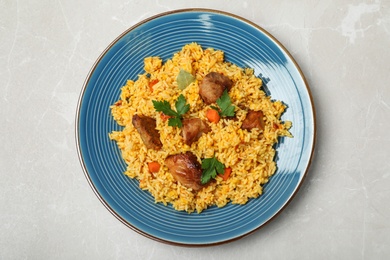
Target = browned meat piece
(186,169)
(193,128)
(212,87)
(254,119)
(146,127)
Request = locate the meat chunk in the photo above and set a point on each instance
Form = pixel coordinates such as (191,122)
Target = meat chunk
(212,87)
(253,119)
(186,169)
(146,127)
(193,128)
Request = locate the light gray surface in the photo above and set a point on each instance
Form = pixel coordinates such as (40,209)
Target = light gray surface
(47,209)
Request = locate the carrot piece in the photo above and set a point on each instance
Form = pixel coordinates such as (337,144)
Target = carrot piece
(212,115)
(154,166)
(164,117)
(226,174)
(152,83)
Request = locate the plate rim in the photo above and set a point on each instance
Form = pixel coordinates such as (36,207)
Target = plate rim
(105,51)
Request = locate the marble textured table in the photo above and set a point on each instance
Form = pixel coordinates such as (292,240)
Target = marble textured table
(47,209)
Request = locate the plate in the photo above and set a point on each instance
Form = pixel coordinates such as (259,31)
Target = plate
(244,44)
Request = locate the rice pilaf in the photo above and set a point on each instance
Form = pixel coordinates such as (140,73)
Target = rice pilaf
(250,154)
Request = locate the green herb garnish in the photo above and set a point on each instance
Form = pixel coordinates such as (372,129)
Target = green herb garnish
(211,166)
(175,116)
(184,79)
(225,105)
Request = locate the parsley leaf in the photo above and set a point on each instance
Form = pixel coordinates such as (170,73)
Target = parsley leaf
(225,105)
(211,166)
(181,106)
(165,107)
(175,121)
(175,116)
(184,78)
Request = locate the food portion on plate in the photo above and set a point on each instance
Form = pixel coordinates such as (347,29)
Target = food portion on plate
(198,131)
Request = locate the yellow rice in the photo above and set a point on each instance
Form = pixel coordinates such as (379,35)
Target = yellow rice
(250,154)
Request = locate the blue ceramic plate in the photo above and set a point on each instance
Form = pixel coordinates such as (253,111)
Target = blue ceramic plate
(244,44)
